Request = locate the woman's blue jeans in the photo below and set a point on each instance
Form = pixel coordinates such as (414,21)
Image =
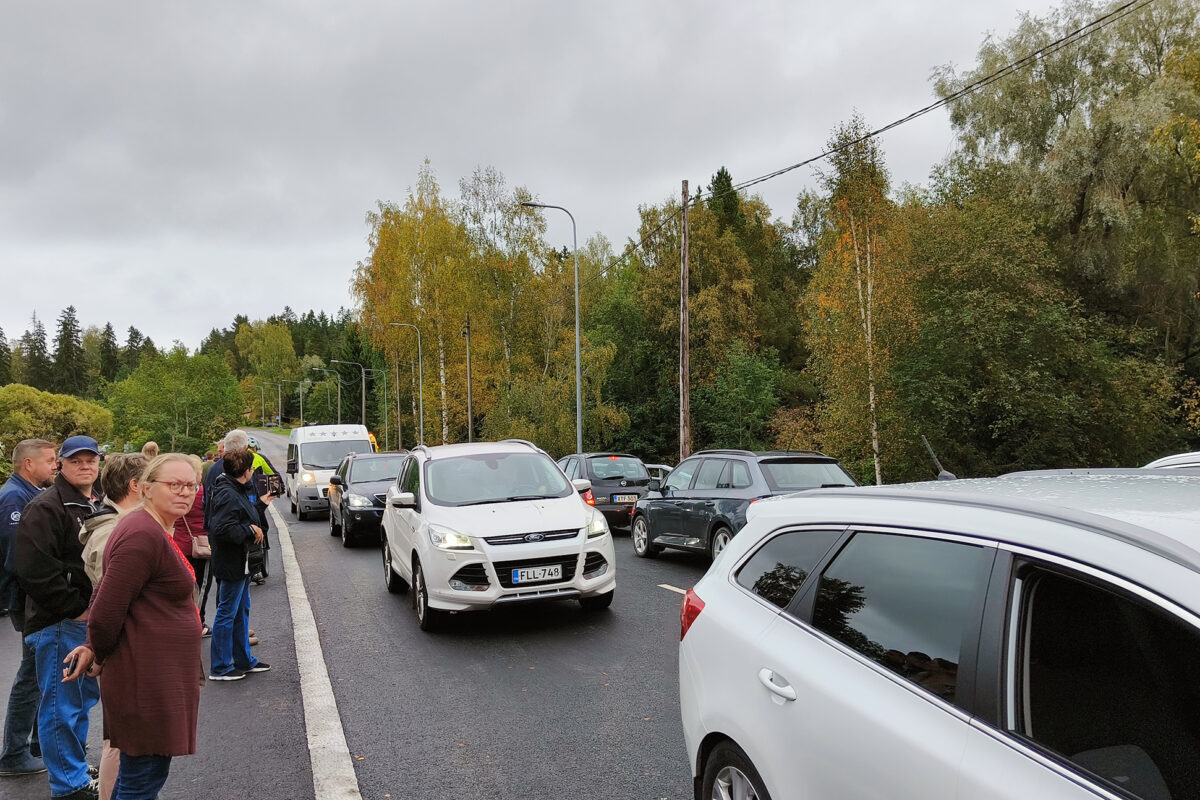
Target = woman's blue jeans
(141,777)
(229,650)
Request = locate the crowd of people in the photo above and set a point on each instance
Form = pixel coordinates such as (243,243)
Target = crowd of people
(106,574)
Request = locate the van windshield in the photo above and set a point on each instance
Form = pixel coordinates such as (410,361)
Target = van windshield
(327,455)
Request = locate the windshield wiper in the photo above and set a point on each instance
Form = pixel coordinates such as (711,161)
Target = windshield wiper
(511,499)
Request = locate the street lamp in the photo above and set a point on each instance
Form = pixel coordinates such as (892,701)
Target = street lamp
(578,370)
(338,377)
(364,384)
(420,378)
(299,391)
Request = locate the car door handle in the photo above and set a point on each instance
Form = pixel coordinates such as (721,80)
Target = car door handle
(767,678)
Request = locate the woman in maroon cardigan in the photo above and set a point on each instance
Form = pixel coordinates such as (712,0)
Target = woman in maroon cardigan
(144,634)
(192,524)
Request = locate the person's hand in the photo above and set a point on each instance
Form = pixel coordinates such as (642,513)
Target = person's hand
(268,498)
(80,661)
(258,534)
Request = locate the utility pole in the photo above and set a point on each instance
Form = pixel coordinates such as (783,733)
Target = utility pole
(685,414)
(399,426)
(262,397)
(466,331)
(279,402)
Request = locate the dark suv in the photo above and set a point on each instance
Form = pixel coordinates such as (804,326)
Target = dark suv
(703,502)
(618,482)
(356,494)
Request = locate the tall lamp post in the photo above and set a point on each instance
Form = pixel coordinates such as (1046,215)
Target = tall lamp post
(364,384)
(420,379)
(299,391)
(338,378)
(466,332)
(578,370)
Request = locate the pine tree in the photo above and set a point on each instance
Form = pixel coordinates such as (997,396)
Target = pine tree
(5,360)
(70,374)
(131,355)
(37,359)
(110,353)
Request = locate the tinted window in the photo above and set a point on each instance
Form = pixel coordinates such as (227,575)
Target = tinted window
(904,602)
(1110,684)
(327,455)
(776,571)
(412,479)
(735,476)
(681,477)
(616,468)
(710,473)
(494,478)
(375,469)
(792,476)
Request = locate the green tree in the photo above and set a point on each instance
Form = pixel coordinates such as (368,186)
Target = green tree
(69,372)
(36,359)
(5,360)
(110,353)
(27,413)
(131,354)
(736,408)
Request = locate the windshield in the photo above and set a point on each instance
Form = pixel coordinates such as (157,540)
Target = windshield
(327,455)
(792,476)
(366,470)
(494,478)
(617,468)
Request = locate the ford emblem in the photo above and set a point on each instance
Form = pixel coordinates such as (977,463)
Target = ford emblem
(534,537)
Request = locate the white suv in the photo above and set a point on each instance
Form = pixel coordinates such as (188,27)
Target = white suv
(1031,636)
(473,526)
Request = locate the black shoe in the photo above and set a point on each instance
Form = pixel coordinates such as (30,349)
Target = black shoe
(261,666)
(93,771)
(89,791)
(236,675)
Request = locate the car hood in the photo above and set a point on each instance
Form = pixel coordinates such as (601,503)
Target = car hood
(519,516)
(370,487)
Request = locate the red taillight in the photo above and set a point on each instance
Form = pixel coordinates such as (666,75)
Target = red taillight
(692,606)
(589,498)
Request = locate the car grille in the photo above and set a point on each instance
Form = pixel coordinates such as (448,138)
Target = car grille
(569,563)
(594,564)
(519,538)
(472,575)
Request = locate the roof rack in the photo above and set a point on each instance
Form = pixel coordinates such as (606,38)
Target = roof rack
(520,441)
(761,453)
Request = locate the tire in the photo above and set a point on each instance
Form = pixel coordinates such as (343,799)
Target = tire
(639,534)
(395,584)
(302,515)
(597,602)
(729,773)
(335,529)
(428,619)
(292,504)
(718,541)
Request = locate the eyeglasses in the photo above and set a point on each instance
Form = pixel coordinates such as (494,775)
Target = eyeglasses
(177,487)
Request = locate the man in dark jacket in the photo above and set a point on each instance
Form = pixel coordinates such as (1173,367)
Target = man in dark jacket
(34,464)
(47,558)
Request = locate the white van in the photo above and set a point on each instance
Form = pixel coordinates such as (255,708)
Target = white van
(313,453)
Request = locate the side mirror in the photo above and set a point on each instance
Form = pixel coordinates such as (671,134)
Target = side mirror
(581,484)
(336,480)
(292,466)
(402,500)
(655,485)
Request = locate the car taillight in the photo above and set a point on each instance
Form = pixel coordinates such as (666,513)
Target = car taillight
(692,606)
(589,498)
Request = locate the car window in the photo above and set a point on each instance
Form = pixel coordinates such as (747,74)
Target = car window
(412,478)
(343,468)
(710,473)
(681,477)
(1109,684)
(327,455)
(795,475)
(573,468)
(735,476)
(366,470)
(616,468)
(494,478)
(905,602)
(776,571)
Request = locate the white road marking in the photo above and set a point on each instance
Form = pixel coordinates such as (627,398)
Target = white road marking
(332,768)
(671,588)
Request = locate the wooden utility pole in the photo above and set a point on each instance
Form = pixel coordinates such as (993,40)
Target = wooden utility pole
(685,413)
(466,332)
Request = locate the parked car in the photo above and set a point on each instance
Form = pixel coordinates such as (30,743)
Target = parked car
(659,472)
(1029,636)
(1177,461)
(357,491)
(313,453)
(474,526)
(703,502)
(618,482)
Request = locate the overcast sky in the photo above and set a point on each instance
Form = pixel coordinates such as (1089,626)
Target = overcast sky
(169,165)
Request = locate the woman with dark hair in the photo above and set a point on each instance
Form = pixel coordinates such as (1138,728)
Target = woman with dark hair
(233,524)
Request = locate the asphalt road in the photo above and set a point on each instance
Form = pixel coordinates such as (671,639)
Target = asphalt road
(531,702)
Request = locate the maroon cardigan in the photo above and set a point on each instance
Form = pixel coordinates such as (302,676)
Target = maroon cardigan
(144,628)
(191,523)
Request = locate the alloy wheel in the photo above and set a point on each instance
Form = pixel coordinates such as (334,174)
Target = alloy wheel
(732,784)
(720,541)
(641,536)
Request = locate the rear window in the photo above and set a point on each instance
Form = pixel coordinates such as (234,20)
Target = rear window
(617,467)
(792,476)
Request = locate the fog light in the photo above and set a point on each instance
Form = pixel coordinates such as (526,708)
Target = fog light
(465,587)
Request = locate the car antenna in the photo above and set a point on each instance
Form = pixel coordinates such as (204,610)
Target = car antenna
(943,474)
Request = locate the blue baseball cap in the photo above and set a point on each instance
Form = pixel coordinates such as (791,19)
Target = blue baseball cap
(78,444)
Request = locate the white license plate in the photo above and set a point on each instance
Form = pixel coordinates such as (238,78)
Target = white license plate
(550,572)
(625,498)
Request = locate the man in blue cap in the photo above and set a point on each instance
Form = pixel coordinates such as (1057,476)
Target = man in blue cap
(47,558)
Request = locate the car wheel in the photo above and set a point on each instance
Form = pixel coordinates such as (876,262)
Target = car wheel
(427,618)
(639,532)
(729,774)
(334,528)
(597,602)
(292,504)
(718,541)
(395,584)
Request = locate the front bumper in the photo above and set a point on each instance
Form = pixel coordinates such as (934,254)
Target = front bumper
(311,497)
(362,520)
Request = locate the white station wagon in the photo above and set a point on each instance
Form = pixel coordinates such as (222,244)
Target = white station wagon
(1031,636)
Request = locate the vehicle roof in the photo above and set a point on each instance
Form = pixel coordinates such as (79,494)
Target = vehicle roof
(807,454)
(477,448)
(1177,460)
(328,432)
(600,454)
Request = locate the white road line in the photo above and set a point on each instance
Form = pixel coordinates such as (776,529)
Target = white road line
(332,769)
(671,588)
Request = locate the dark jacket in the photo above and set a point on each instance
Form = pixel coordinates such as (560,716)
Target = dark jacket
(14,496)
(231,512)
(47,556)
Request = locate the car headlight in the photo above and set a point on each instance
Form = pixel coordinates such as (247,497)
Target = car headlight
(597,526)
(307,477)
(357,500)
(446,539)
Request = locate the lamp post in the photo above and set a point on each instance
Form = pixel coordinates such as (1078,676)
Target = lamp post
(386,434)
(364,384)
(420,379)
(338,378)
(466,332)
(299,391)
(262,396)
(578,370)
